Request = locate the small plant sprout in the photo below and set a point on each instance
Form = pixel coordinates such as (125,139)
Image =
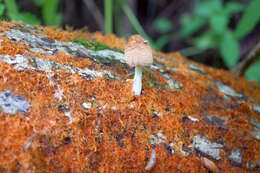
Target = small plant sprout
(138,54)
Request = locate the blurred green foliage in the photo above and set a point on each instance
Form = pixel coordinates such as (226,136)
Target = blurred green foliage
(50,13)
(218,35)
(163,25)
(9,9)
(250,18)
(216,15)
(207,27)
(13,13)
(253,72)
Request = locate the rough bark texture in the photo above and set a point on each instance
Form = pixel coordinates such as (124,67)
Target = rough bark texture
(69,108)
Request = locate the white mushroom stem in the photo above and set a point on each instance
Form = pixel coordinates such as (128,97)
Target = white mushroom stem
(137,84)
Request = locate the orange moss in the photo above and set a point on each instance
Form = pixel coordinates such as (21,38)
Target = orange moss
(111,40)
(10,48)
(112,135)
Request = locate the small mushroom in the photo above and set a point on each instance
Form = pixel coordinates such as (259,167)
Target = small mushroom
(138,54)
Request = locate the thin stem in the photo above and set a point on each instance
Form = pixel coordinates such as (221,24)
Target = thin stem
(108,16)
(137,26)
(92,7)
(135,23)
(117,19)
(241,67)
(137,83)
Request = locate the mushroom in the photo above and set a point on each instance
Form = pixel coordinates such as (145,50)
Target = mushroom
(138,54)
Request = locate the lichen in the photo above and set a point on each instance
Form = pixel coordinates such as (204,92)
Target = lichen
(12,104)
(83,116)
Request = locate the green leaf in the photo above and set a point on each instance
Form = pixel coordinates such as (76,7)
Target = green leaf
(161,42)
(57,19)
(191,24)
(207,7)
(163,25)
(38,3)
(229,48)
(26,17)
(121,2)
(2,9)
(49,11)
(218,22)
(108,10)
(253,72)
(250,18)
(233,7)
(12,7)
(205,41)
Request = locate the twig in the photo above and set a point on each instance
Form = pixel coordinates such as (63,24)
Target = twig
(241,67)
(90,4)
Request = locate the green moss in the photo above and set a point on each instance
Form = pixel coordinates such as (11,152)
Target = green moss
(171,84)
(154,83)
(90,44)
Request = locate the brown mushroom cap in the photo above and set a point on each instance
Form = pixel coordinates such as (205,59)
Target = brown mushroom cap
(138,52)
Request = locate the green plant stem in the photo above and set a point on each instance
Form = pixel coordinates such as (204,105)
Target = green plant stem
(134,21)
(117,19)
(108,16)
(12,7)
(98,16)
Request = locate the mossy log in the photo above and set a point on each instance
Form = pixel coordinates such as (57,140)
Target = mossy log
(66,105)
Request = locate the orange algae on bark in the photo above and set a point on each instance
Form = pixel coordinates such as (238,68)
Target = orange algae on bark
(116,131)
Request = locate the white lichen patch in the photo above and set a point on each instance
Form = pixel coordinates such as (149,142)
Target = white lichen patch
(86,105)
(110,54)
(21,62)
(171,147)
(151,161)
(59,93)
(204,145)
(256,133)
(110,75)
(254,122)
(69,115)
(113,108)
(12,104)
(257,108)
(157,139)
(236,156)
(157,114)
(42,44)
(196,68)
(228,91)
(49,75)
(172,84)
